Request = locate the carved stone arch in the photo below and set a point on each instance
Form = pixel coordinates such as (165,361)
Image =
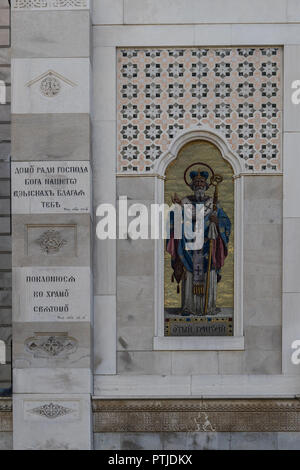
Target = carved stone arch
(193,134)
(236,341)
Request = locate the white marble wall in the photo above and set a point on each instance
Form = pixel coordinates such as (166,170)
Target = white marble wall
(291,214)
(52,225)
(265,362)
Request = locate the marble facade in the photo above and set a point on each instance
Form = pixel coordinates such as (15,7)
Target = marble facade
(52,225)
(105,91)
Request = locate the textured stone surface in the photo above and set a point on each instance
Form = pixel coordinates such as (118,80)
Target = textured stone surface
(135,306)
(6,441)
(208,416)
(194,362)
(70,92)
(51,34)
(144,362)
(51,136)
(51,240)
(105,334)
(51,345)
(197,441)
(52,422)
(171,11)
(66,381)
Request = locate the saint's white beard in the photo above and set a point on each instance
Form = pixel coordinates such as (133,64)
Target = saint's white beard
(199,194)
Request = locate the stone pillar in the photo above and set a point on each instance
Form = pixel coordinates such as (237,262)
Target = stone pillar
(51,207)
(291,214)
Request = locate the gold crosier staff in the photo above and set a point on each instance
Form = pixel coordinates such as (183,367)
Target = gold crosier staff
(215,181)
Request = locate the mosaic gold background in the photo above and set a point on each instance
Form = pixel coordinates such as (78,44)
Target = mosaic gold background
(207,153)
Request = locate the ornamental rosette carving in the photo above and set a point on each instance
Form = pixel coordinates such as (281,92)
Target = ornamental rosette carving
(54,346)
(51,410)
(50,86)
(51,242)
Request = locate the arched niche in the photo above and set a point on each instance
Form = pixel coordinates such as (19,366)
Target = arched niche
(236,341)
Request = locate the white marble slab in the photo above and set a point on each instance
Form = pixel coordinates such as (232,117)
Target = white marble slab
(204,11)
(105,337)
(51,85)
(52,294)
(51,187)
(52,422)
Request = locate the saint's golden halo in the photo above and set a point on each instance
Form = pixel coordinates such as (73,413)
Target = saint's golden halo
(212,178)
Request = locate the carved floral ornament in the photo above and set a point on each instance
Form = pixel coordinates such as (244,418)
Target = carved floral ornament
(49,4)
(59,346)
(50,83)
(51,410)
(51,242)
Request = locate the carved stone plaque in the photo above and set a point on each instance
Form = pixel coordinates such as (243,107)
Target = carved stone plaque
(51,187)
(52,294)
(51,410)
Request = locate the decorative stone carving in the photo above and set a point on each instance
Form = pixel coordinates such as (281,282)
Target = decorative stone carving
(54,346)
(196,415)
(50,86)
(20,4)
(203,424)
(50,83)
(49,4)
(69,3)
(51,410)
(51,242)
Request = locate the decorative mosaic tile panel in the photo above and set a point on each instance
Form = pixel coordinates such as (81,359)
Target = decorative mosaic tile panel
(234,90)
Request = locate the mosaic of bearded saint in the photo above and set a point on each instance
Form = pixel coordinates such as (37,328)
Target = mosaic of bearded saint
(199,271)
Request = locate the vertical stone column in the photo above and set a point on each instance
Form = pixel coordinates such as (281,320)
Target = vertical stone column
(291,212)
(51,207)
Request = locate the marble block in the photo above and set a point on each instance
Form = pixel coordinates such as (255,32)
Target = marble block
(51,240)
(50,137)
(52,422)
(51,345)
(51,294)
(51,380)
(51,85)
(51,34)
(55,187)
